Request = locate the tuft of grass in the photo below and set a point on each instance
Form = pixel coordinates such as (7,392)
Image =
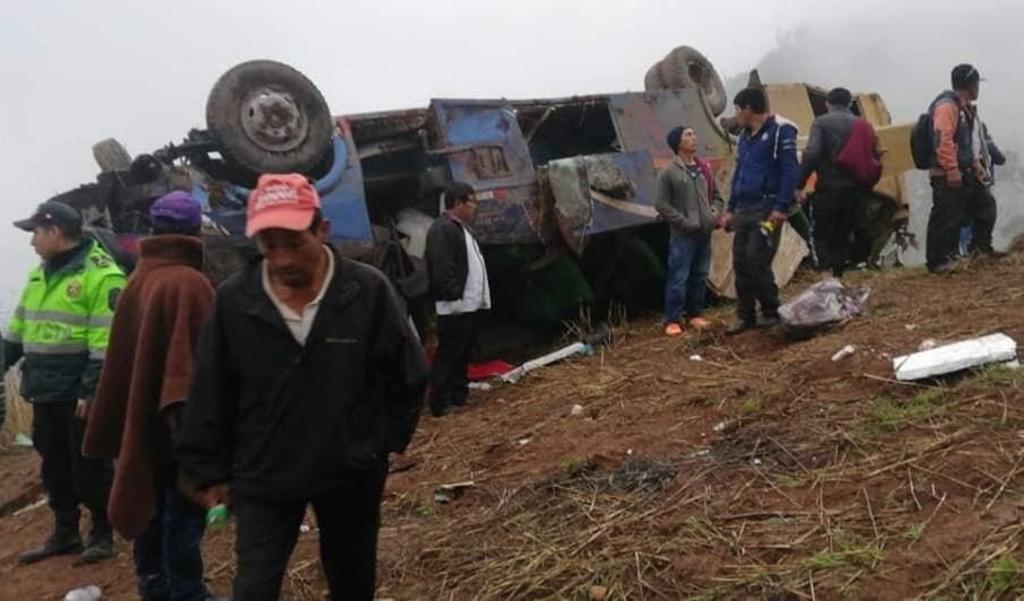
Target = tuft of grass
(825,560)
(847,553)
(750,406)
(999,375)
(1003,574)
(914,532)
(576,466)
(887,414)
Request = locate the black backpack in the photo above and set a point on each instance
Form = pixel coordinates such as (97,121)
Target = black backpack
(922,135)
(922,145)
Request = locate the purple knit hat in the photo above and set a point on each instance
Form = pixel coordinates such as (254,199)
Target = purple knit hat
(177,207)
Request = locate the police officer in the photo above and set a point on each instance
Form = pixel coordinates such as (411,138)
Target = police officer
(61,328)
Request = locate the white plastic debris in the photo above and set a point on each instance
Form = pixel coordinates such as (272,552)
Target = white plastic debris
(696,358)
(996,348)
(579,348)
(927,344)
(447,493)
(523,441)
(756,462)
(910,327)
(719,427)
(576,411)
(844,352)
(20,440)
(86,593)
(484,386)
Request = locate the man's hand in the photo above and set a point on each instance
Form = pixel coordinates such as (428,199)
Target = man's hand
(82,410)
(801,197)
(777,217)
(215,495)
(725,221)
(954,179)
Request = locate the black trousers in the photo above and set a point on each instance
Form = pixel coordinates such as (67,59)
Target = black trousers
(456,337)
(752,255)
(980,208)
(944,221)
(835,212)
(70,478)
(348,518)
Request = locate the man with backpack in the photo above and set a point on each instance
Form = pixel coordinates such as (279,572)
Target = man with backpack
(948,140)
(841,150)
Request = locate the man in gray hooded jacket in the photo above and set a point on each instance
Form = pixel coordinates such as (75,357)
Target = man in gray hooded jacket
(685,192)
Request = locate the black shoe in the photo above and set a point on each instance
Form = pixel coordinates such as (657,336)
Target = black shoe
(97,549)
(768,321)
(739,326)
(441,412)
(58,544)
(941,268)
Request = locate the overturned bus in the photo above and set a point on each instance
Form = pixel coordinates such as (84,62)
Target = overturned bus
(565,186)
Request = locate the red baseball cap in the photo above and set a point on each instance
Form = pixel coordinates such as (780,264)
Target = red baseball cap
(281,200)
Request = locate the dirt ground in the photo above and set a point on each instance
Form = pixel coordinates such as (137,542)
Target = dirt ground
(763,470)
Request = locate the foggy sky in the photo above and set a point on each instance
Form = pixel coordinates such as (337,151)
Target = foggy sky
(78,72)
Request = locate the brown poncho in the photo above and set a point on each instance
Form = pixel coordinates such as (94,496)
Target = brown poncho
(146,372)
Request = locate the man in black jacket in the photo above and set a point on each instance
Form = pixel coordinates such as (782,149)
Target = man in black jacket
(458,284)
(307,375)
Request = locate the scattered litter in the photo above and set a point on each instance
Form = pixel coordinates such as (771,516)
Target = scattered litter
(941,360)
(822,306)
(910,327)
(20,440)
(629,452)
(756,462)
(484,386)
(304,529)
(844,352)
(696,358)
(487,370)
(927,344)
(447,493)
(579,348)
(576,411)
(719,427)
(524,441)
(217,516)
(86,593)
(33,506)
(700,453)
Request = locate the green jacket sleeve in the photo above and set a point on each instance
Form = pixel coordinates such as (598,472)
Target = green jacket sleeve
(102,300)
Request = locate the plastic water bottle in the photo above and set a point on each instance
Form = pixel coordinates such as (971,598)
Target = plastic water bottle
(86,593)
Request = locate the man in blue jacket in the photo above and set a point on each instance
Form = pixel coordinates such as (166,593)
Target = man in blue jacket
(763,187)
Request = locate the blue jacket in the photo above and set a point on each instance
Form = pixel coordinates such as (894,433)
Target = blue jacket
(767,168)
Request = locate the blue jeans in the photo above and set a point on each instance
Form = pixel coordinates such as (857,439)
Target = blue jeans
(169,555)
(689,263)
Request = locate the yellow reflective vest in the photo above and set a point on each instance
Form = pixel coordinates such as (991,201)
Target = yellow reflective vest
(62,325)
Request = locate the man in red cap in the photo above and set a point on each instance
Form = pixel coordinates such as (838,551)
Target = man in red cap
(307,375)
